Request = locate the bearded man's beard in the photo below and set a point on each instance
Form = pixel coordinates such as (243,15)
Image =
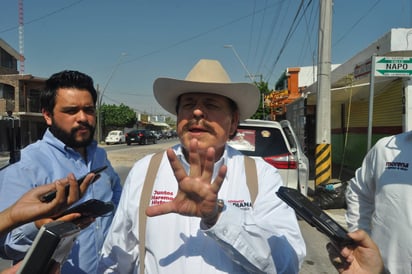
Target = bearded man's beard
(68,138)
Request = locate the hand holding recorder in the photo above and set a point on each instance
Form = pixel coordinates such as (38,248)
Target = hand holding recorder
(364,258)
(350,253)
(30,206)
(52,194)
(315,216)
(82,185)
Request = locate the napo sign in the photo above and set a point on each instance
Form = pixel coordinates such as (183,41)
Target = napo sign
(393,66)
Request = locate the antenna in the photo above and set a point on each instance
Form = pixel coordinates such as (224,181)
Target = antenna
(21,36)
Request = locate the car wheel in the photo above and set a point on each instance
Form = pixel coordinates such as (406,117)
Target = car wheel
(107,143)
(128,143)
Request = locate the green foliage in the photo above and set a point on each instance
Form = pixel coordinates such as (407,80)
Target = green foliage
(262,113)
(113,116)
(170,122)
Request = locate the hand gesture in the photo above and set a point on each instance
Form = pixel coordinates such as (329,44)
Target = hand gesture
(197,194)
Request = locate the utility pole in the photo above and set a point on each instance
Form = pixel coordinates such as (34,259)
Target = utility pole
(323,152)
(240,61)
(100,94)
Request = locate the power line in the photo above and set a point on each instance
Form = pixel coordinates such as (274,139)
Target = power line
(357,22)
(44,16)
(275,20)
(292,29)
(177,43)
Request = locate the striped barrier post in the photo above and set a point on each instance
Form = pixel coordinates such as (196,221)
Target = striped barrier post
(323,164)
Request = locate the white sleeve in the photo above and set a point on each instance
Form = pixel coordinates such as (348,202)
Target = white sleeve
(120,249)
(266,239)
(360,193)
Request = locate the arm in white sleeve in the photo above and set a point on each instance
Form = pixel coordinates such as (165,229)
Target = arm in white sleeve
(119,252)
(252,247)
(360,195)
(265,239)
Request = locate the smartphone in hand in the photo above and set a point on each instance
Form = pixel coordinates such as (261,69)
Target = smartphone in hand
(315,216)
(48,197)
(90,208)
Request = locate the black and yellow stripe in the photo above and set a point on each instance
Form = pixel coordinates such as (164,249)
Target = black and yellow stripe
(323,164)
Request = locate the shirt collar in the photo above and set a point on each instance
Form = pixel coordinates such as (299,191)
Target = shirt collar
(49,138)
(224,159)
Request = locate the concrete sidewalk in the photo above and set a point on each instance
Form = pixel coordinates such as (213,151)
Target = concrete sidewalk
(339,174)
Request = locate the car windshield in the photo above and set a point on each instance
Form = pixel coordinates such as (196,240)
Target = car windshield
(114,133)
(258,141)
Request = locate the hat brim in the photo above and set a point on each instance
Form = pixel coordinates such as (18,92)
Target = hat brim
(245,95)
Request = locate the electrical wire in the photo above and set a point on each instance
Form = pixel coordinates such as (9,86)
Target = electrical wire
(269,37)
(292,29)
(44,16)
(310,26)
(357,22)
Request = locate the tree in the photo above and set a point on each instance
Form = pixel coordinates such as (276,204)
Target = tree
(116,117)
(262,112)
(170,121)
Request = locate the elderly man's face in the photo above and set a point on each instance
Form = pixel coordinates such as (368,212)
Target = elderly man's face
(208,118)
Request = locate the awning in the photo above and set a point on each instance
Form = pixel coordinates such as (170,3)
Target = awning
(159,124)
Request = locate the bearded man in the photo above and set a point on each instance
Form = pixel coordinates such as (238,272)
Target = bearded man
(68,105)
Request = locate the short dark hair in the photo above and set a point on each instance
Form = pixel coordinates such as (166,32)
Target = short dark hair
(65,79)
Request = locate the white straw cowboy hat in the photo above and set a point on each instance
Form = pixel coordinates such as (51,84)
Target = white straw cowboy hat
(207,76)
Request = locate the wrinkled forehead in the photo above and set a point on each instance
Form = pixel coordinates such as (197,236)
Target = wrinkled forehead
(201,96)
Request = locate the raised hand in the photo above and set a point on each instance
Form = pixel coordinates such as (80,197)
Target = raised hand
(197,194)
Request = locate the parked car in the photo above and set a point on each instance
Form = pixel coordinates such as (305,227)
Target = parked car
(278,145)
(115,137)
(140,136)
(158,134)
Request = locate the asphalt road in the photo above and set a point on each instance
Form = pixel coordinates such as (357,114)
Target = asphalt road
(123,157)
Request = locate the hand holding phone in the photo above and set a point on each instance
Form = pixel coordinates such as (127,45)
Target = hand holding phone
(91,208)
(52,194)
(315,216)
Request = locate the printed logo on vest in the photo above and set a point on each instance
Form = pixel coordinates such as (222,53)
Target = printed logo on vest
(397,166)
(162,196)
(241,204)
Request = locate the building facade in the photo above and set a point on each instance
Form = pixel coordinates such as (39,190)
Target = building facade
(21,121)
(351,94)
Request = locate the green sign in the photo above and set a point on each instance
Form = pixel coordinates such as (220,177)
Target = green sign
(393,66)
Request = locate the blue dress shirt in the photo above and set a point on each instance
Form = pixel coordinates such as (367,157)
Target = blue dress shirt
(44,162)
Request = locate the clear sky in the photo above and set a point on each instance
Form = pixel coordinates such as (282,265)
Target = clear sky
(126,44)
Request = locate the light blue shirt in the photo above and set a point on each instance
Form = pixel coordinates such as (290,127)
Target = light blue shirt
(44,162)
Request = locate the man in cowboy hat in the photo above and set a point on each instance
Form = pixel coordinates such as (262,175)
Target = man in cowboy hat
(201,218)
